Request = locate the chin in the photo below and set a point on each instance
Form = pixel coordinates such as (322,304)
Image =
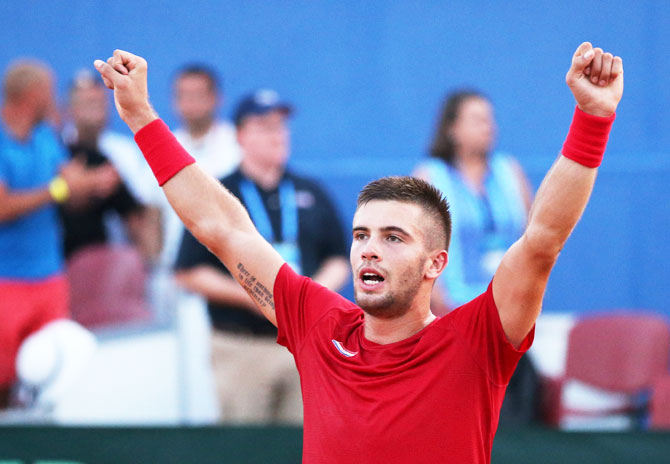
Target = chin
(381,306)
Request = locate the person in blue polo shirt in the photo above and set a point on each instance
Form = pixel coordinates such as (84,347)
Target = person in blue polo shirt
(34,178)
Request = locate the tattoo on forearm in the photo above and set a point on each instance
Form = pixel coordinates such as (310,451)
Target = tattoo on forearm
(256,290)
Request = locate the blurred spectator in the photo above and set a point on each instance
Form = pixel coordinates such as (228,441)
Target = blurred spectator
(487,191)
(89,118)
(34,176)
(489,198)
(90,222)
(257,380)
(197,97)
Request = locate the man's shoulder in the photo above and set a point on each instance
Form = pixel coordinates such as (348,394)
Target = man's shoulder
(220,129)
(309,190)
(120,149)
(179,131)
(336,313)
(302,181)
(294,284)
(232,181)
(43,133)
(471,309)
(223,127)
(117,139)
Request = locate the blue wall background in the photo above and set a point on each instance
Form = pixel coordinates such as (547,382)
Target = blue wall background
(367,79)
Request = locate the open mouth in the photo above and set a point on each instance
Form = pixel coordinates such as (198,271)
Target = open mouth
(370,277)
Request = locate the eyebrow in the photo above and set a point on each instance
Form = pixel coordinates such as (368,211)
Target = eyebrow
(383,229)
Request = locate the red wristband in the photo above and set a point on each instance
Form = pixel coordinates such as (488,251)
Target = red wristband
(163,152)
(587,138)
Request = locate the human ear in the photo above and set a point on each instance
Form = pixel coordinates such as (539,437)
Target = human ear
(438,262)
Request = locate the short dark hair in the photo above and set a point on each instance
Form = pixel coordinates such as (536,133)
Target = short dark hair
(413,190)
(202,70)
(442,146)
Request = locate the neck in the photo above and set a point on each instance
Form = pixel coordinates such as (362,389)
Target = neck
(200,128)
(267,177)
(473,167)
(472,158)
(385,331)
(87,138)
(19,123)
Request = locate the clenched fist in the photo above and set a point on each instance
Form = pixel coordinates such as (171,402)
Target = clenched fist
(126,74)
(596,80)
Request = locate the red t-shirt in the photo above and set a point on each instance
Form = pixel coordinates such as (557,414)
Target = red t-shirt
(432,398)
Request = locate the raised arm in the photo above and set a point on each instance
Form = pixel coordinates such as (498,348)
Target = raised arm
(213,215)
(596,80)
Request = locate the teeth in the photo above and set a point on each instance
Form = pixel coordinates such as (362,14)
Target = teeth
(371,278)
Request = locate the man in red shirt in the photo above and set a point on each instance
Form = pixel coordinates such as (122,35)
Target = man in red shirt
(385,380)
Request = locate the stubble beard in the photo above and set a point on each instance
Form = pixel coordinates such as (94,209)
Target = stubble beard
(390,305)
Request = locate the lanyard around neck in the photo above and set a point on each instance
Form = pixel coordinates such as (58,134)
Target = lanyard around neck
(288,208)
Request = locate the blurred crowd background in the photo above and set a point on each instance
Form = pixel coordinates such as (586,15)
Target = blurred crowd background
(366,83)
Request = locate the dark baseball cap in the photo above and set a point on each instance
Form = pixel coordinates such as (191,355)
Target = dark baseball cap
(260,102)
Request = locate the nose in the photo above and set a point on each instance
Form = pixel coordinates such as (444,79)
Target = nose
(370,251)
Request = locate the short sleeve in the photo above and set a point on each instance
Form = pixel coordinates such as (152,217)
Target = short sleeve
(299,304)
(478,322)
(59,154)
(51,152)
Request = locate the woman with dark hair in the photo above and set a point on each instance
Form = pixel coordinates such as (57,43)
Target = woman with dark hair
(488,193)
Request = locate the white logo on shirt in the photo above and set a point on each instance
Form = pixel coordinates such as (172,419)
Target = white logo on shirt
(343,351)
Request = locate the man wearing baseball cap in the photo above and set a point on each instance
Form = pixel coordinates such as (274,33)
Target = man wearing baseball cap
(257,381)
